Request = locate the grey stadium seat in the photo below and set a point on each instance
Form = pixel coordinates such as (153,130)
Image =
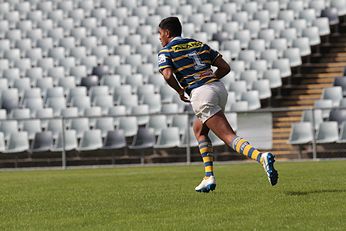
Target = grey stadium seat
(115,140)
(80,125)
(129,125)
(342,137)
(91,140)
(104,124)
(252,97)
(145,138)
(157,122)
(323,104)
(333,93)
(67,144)
(301,133)
(307,117)
(327,132)
(168,138)
(18,142)
(42,142)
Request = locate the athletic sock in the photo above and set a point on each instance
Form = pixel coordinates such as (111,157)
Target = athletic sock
(243,147)
(206,150)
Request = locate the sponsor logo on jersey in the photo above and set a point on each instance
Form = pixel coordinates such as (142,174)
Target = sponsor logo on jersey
(186,46)
(162,59)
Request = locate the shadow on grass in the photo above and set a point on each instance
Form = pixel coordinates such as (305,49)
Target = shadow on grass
(302,193)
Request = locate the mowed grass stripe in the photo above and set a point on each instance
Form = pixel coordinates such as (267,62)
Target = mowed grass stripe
(309,196)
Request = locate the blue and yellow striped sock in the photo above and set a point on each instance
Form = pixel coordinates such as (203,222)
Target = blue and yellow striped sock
(243,147)
(206,150)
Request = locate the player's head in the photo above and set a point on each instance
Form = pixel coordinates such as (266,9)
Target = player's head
(169,28)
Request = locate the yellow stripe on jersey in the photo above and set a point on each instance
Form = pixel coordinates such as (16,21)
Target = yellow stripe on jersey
(185,67)
(204,77)
(187,46)
(163,67)
(165,50)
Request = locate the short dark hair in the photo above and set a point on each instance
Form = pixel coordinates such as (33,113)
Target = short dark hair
(172,24)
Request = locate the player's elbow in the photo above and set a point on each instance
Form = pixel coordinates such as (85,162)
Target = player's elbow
(226,68)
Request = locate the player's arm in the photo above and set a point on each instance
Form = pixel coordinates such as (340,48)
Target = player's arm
(223,67)
(172,82)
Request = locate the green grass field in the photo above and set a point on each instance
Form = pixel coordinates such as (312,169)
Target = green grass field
(309,196)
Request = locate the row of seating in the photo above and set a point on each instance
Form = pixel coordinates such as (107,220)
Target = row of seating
(129,124)
(327,119)
(327,132)
(92,140)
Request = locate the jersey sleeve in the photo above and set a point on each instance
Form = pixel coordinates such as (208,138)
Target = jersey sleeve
(164,60)
(213,54)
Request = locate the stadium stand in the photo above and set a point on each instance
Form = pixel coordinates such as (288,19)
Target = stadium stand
(51,53)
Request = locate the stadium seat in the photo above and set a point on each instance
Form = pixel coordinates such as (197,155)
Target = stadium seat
(80,125)
(168,138)
(67,144)
(57,104)
(44,114)
(17,142)
(90,140)
(129,125)
(327,132)
(340,5)
(157,122)
(333,93)
(238,88)
(324,105)
(307,117)
(34,104)
(342,137)
(20,113)
(115,140)
(10,99)
(249,76)
(170,109)
(244,36)
(318,6)
(2,143)
(338,115)
(104,124)
(313,34)
(43,141)
(284,66)
(237,67)
(301,133)
(341,82)
(91,113)
(7,127)
(252,97)
(293,55)
(309,15)
(332,15)
(263,88)
(303,45)
(145,138)
(140,112)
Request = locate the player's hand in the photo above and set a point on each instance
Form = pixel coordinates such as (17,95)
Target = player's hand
(183,97)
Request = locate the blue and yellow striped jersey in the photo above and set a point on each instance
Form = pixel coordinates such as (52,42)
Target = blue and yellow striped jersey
(191,61)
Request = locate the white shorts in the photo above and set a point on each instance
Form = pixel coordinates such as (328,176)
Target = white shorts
(208,99)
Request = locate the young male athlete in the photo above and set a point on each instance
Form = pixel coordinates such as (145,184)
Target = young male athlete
(186,66)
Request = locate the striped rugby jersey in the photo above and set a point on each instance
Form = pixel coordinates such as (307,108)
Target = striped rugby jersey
(190,60)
